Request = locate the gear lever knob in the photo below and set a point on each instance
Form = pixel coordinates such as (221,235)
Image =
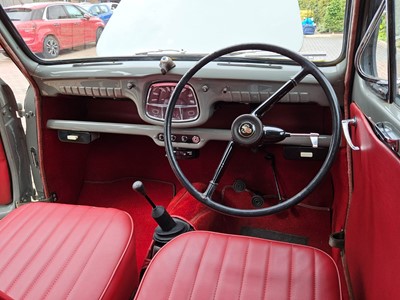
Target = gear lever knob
(159,214)
(138,186)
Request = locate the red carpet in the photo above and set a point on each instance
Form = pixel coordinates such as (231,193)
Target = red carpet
(307,220)
(119,194)
(313,223)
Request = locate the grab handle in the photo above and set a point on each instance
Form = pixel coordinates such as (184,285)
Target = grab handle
(346,131)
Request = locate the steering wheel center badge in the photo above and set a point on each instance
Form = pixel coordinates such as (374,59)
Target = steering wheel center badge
(246,129)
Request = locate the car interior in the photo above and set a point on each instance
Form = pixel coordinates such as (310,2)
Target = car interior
(247,171)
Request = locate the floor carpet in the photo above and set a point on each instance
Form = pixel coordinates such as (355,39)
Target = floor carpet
(119,194)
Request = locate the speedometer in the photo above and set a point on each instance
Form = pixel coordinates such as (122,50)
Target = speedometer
(158,96)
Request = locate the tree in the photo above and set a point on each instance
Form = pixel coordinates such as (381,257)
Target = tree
(334,16)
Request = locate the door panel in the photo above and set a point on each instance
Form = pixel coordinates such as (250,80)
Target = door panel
(373,225)
(78,32)
(15,150)
(5,182)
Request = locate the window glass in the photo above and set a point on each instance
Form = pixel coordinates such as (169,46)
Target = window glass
(37,14)
(74,12)
(313,28)
(56,12)
(95,10)
(381,51)
(19,14)
(103,9)
(378,67)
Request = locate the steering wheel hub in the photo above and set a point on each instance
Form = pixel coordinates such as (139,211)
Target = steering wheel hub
(247,130)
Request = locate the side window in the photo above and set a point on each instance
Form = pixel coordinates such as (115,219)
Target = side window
(56,12)
(38,14)
(381,51)
(374,61)
(74,12)
(103,9)
(95,10)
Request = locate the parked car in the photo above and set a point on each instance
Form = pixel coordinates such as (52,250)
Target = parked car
(111,5)
(48,28)
(100,10)
(206,150)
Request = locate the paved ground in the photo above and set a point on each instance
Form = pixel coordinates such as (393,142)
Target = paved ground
(332,43)
(13,77)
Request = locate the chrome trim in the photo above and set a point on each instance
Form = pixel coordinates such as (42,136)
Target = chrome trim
(389,135)
(163,106)
(345,126)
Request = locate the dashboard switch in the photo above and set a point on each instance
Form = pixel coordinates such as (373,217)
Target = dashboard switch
(196,139)
(180,138)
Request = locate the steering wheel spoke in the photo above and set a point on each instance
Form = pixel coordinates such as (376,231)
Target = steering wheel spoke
(280,93)
(220,170)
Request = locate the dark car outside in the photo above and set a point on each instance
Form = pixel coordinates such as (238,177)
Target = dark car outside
(48,28)
(102,11)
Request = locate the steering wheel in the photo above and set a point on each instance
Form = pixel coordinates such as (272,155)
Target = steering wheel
(248,130)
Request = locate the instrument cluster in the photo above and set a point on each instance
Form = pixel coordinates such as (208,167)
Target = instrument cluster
(158,96)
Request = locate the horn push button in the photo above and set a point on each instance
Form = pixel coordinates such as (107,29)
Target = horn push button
(247,130)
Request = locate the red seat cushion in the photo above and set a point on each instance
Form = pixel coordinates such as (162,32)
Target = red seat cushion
(57,251)
(205,265)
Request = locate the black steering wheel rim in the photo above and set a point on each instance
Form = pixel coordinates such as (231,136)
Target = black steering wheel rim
(308,68)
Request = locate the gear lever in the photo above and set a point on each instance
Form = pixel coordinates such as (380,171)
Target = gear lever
(168,227)
(159,214)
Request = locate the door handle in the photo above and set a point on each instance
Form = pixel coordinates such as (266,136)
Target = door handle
(345,126)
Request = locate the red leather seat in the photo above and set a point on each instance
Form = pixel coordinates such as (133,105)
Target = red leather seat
(205,265)
(56,251)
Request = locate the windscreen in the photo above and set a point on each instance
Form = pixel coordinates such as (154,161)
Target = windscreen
(179,26)
(186,29)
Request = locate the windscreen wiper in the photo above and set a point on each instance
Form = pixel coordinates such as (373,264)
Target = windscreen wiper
(264,54)
(162,51)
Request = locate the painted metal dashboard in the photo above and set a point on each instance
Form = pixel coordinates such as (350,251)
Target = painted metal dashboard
(217,82)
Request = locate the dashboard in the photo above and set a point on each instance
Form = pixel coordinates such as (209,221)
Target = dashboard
(149,90)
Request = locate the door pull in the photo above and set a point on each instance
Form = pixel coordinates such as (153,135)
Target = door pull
(346,131)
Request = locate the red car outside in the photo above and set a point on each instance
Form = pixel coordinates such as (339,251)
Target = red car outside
(48,28)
